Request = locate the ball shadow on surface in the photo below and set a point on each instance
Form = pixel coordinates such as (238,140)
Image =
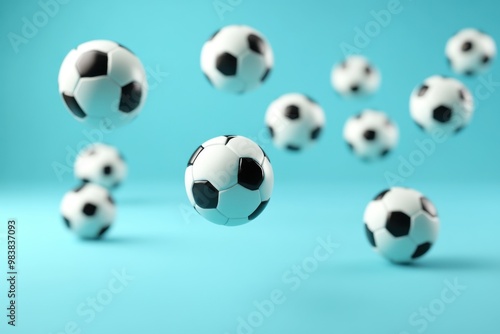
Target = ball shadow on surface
(454,263)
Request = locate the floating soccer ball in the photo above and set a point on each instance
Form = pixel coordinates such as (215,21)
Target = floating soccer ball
(229,180)
(294,121)
(88,211)
(103,84)
(401,224)
(101,164)
(236,59)
(470,51)
(370,134)
(441,103)
(355,77)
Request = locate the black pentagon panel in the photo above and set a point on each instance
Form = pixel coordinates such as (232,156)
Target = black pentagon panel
(73,106)
(195,155)
(485,59)
(80,187)
(102,231)
(265,75)
(89,209)
(292,112)
(467,46)
(291,147)
(131,97)
(205,195)
(256,44)
(271,131)
(92,64)
(422,90)
(213,35)
(66,222)
(381,194)
(370,135)
(229,137)
(370,236)
(442,114)
(107,170)
(428,207)
(250,174)
(227,64)
(398,224)
(315,133)
(421,250)
(354,88)
(259,210)
(266,156)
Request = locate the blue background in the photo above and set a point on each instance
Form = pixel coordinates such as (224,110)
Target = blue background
(191,276)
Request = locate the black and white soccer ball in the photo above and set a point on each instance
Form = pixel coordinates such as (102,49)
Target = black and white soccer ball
(229,180)
(355,77)
(103,84)
(88,211)
(371,134)
(294,121)
(441,103)
(237,59)
(101,164)
(401,224)
(470,51)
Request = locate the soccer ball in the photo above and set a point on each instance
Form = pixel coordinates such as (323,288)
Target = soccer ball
(441,103)
(229,180)
(236,59)
(401,224)
(101,164)
(370,134)
(294,121)
(88,211)
(355,77)
(103,84)
(470,51)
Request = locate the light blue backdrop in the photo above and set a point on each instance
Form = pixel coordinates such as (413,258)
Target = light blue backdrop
(183,110)
(190,276)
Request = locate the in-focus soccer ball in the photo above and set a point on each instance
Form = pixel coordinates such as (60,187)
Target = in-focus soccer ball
(88,211)
(441,103)
(237,59)
(401,224)
(229,180)
(101,164)
(355,77)
(294,121)
(470,51)
(370,134)
(103,84)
